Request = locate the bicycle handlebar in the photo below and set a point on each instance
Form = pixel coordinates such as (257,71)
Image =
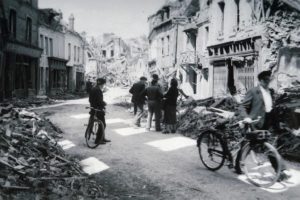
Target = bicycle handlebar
(245,122)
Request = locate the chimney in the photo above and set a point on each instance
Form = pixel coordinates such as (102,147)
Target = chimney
(71,22)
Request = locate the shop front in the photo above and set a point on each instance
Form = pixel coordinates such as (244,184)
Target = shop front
(21,69)
(58,75)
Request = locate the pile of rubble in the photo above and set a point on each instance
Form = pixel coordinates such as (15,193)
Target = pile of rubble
(198,115)
(287,112)
(30,102)
(33,165)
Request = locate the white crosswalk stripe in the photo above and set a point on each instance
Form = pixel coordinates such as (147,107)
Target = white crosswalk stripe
(66,144)
(129,131)
(172,144)
(80,116)
(92,165)
(115,120)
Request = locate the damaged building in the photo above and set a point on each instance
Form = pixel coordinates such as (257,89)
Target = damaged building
(242,42)
(20,55)
(220,46)
(165,31)
(75,46)
(53,71)
(62,62)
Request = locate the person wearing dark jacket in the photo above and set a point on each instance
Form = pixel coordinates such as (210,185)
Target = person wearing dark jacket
(154,96)
(170,103)
(138,100)
(136,90)
(259,102)
(97,102)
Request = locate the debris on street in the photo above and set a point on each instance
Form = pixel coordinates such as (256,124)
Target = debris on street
(198,115)
(33,165)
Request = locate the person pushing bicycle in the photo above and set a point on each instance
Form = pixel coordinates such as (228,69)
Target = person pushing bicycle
(259,102)
(97,102)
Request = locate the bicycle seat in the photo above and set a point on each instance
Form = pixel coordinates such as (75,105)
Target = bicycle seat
(258,135)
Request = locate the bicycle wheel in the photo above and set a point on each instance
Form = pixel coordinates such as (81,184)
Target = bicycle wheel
(94,127)
(211,150)
(261,164)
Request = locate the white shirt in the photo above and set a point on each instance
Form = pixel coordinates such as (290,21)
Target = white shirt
(267,99)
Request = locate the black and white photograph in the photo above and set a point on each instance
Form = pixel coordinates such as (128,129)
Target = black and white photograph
(150,99)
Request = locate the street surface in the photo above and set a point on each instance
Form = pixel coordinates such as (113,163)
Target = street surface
(151,165)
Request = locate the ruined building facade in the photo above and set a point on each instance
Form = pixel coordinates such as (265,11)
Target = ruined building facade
(52,62)
(225,44)
(20,55)
(62,62)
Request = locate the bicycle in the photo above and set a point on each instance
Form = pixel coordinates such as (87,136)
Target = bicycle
(254,155)
(95,126)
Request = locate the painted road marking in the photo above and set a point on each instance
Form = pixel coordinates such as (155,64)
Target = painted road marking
(80,116)
(129,131)
(92,165)
(172,143)
(278,187)
(115,120)
(66,144)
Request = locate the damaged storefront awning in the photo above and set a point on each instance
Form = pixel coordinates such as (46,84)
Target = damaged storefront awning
(57,63)
(23,49)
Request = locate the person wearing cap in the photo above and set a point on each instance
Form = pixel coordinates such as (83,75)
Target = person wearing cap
(97,102)
(258,102)
(138,100)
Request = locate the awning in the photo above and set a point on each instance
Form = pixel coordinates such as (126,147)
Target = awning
(23,49)
(57,63)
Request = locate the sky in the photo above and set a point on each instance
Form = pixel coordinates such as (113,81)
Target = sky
(125,18)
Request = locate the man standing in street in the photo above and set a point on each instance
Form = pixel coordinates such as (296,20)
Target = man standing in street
(154,96)
(97,102)
(138,100)
(258,102)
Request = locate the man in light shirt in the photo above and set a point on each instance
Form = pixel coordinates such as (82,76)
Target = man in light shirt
(258,103)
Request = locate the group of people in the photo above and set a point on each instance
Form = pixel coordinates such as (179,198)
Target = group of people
(161,105)
(257,102)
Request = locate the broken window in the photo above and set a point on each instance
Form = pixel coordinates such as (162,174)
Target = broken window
(162,16)
(167,13)
(222,7)
(237,2)
(206,36)
(112,53)
(168,45)
(51,46)
(28,29)
(42,42)
(104,53)
(13,22)
(46,46)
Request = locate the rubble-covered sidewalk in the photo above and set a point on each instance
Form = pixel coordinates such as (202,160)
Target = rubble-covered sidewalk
(33,165)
